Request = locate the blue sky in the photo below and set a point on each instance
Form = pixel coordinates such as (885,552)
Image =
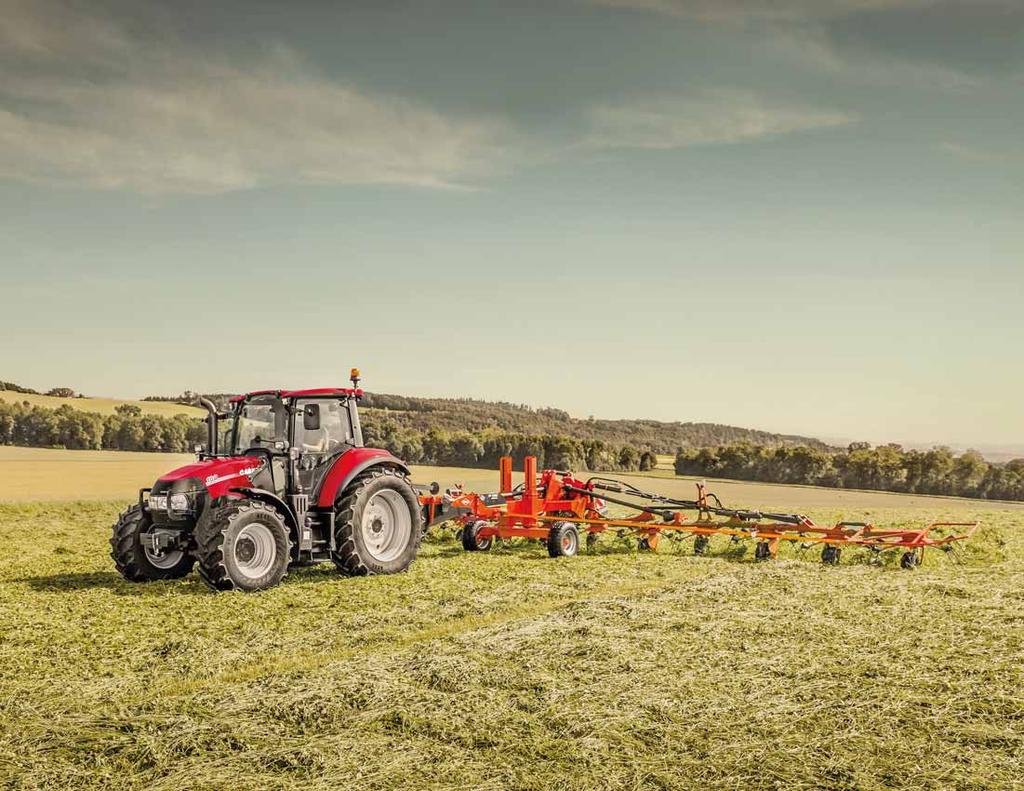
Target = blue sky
(793,215)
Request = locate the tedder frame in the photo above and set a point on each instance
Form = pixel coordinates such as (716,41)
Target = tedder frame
(558,508)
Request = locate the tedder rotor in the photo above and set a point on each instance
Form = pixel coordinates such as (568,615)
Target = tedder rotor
(560,508)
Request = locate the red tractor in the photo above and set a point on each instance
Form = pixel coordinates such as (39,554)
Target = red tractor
(284,480)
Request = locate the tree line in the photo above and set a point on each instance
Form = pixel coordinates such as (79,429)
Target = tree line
(484,448)
(861,466)
(22,423)
(128,428)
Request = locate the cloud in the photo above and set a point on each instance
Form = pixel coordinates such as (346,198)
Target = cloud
(85,104)
(948,44)
(713,117)
(764,10)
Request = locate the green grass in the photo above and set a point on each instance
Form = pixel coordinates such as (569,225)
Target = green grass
(509,670)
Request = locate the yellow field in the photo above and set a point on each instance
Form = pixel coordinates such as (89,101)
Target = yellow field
(103,406)
(33,474)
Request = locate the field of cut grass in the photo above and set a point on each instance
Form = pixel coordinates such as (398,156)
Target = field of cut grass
(510,670)
(103,406)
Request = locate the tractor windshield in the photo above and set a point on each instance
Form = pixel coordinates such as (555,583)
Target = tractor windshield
(261,421)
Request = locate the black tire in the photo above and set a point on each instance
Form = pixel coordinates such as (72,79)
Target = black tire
(471,542)
(701,544)
(243,545)
(363,512)
(591,541)
(830,555)
(762,551)
(134,561)
(910,560)
(644,544)
(563,540)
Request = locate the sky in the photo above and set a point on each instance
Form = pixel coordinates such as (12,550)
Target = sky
(795,215)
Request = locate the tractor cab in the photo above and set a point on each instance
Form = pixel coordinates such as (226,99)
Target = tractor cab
(283,480)
(298,434)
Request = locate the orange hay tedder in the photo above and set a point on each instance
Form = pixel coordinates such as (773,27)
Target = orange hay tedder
(559,508)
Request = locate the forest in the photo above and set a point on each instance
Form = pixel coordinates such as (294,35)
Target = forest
(860,466)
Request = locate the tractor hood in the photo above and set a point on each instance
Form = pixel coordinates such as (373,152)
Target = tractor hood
(218,475)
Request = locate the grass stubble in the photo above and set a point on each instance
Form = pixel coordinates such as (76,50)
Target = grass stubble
(509,670)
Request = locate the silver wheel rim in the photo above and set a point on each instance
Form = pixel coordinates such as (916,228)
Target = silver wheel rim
(568,541)
(163,560)
(387,525)
(255,550)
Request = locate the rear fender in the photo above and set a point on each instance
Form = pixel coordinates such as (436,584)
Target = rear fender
(350,465)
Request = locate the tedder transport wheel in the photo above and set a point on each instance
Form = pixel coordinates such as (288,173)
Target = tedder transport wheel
(830,555)
(135,559)
(910,560)
(378,526)
(471,542)
(701,544)
(563,540)
(244,545)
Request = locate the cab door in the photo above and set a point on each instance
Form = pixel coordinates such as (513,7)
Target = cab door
(323,430)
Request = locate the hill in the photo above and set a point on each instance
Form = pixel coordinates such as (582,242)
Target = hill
(100,406)
(464,414)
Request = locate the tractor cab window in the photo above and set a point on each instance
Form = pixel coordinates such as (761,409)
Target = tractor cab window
(322,427)
(262,420)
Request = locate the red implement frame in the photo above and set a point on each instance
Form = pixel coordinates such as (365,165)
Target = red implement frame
(532,509)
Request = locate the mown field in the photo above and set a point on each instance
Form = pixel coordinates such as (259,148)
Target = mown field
(509,670)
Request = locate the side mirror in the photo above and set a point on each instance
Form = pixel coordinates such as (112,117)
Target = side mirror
(311,417)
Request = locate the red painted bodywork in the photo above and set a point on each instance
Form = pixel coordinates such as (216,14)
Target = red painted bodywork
(346,464)
(219,476)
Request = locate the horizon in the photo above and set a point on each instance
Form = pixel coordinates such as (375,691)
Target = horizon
(793,217)
(995,453)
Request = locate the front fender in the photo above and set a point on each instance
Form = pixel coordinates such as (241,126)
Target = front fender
(270,499)
(348,466)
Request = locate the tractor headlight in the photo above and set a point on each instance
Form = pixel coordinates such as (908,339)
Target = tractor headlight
(158,502)
(180,503)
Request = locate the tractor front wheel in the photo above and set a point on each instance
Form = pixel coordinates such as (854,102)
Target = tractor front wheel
(244,545)
(135,559)
(378,526)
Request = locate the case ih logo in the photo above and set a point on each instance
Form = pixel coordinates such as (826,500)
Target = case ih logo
(215,479)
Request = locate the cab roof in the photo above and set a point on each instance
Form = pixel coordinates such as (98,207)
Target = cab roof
(317,392)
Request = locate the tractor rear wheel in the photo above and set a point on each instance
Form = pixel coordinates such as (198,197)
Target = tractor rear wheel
(563,540)
(133,557)
(378,526)
(471,542)
(244,545)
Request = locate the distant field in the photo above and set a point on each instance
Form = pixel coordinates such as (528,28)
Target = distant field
(103,406)
(28,474)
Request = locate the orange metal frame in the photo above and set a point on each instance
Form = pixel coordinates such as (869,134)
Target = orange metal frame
(530,512)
